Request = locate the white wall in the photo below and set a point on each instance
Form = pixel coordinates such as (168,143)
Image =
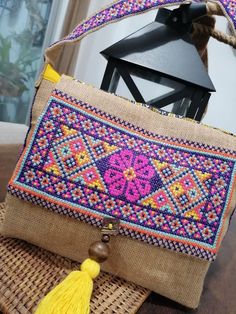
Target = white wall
(91,65)
(222,64)
(222,68)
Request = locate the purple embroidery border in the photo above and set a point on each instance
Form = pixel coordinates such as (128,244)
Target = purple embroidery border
(163,243)
(133,127)
(125,8)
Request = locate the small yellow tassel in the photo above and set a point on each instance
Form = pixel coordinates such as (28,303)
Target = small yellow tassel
(73,294)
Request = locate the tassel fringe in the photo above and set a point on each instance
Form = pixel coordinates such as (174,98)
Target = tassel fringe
(73,294)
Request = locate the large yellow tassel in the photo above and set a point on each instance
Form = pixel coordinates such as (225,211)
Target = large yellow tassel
(73,294)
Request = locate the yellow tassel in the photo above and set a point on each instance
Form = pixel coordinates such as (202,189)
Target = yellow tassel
(73,294)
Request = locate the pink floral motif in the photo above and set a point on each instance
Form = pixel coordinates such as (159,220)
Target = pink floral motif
(129,175)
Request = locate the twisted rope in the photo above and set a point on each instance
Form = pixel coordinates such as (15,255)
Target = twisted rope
(220,36)
(214,9)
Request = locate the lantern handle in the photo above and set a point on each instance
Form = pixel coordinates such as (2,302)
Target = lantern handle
(185,14)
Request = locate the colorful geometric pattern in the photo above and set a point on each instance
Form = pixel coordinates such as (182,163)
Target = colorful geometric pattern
(125,8)
(87,164)
(230,9)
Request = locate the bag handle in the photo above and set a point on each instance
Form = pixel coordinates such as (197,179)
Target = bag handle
(125,8)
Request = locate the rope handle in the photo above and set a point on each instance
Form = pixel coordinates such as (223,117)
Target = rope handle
(214,8)
(124,8)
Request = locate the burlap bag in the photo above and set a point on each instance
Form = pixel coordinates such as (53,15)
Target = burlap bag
(174,275)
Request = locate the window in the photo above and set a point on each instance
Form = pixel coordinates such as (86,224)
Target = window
(23,24)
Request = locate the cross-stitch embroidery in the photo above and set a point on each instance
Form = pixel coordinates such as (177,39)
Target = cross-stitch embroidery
(123,8)
(87,164)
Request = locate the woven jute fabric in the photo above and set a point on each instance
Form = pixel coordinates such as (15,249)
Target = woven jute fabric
(8,158)
(176,276)
(28,272)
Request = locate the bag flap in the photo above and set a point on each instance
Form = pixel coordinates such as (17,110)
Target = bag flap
(169,181)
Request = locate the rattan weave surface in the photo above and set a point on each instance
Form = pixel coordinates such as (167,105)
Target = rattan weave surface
(27,273)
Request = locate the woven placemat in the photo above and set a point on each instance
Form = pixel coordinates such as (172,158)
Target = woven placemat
(28,272)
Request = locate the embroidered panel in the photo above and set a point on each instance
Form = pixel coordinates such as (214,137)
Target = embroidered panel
(86,164)
(125,8)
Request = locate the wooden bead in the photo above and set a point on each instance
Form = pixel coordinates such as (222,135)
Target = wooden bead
(99,251)
(105,238)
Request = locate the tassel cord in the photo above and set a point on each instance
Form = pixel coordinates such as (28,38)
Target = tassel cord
(73,294)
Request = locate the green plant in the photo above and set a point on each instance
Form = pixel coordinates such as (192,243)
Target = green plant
(17,75)
(13,77)
(20,53)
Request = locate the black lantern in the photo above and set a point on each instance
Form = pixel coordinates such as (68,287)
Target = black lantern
(162,52)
